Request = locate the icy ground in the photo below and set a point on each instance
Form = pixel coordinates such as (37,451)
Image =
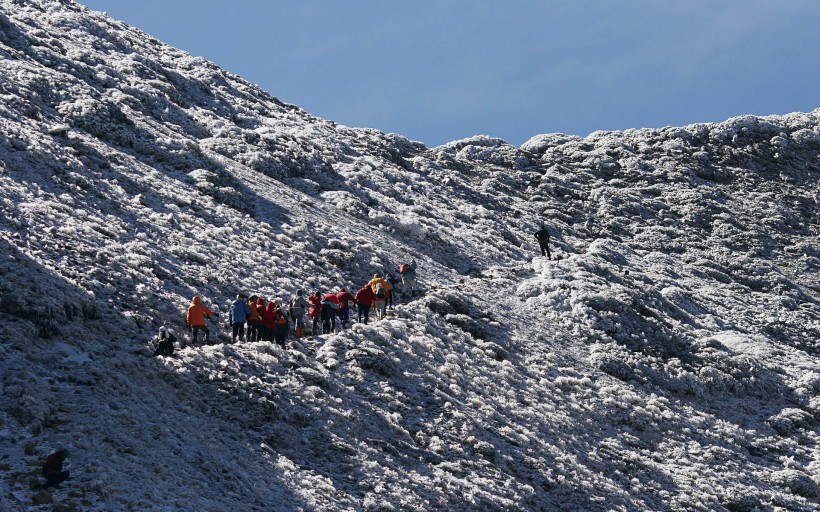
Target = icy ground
(665,359)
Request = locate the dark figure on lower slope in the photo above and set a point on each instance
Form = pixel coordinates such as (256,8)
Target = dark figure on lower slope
(53,469)
(164,342)
(543,237)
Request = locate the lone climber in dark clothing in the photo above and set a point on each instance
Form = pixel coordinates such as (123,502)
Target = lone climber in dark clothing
(543,237)
(53,469)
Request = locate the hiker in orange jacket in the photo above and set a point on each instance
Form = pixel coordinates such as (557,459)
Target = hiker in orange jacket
(254,319)
(195,319)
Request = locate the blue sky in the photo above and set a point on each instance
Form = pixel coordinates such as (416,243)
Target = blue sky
(441,70)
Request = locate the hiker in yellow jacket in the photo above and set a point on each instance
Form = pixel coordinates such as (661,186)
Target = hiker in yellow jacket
(380,288)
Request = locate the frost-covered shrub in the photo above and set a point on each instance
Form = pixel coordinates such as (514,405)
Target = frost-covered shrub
(476,328)
(494,350)
(413,226)
(809,137)
(797,482)
(376,504)
(717,380)
(723,372)
(683,300)
(810,382)
(790,420)
(740,500)
(346,202)
(100,118)
(371,358)
(479,155)
(439,306)
(266,347)
(337,258)
(328,354)
(713,173)
(382,218)
(24,401)
(313,377)
(610,251)
(613,366)
(485,449)
(807,389)
(541,143)
(224,189)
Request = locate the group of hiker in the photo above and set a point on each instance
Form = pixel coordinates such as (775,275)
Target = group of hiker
(256,318)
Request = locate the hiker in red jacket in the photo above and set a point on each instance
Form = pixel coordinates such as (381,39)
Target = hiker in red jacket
(364,300)
(345,298)
(260,324)
(269,321)
(315,311)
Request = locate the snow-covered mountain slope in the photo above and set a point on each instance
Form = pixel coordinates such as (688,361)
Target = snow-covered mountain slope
(665,359)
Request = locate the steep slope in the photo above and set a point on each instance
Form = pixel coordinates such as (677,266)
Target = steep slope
(666,360)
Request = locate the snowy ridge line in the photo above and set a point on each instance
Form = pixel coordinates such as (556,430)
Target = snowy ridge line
(667,359)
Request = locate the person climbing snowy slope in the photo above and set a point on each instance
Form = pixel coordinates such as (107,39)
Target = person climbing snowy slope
(330,305)
(298,307)
(315,311)
(53,469)
(345,298)
(364,301)
(380,288)
(254,319)
(408,278)
(164,342)
(237,316)
(195,319)
(543,237)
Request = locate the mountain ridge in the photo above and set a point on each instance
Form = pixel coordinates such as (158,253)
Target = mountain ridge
(666,359)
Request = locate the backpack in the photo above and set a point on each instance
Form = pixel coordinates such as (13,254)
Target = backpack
(380,291)
(403,268)
(326,313)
